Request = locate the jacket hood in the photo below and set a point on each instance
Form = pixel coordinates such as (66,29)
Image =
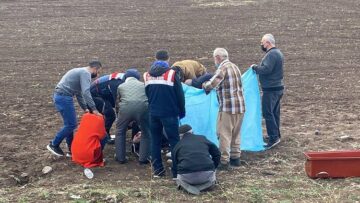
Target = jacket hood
(158,68)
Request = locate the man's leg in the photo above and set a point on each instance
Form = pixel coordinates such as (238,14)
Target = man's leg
(224,131)
(156,131)
(110,116)
(268,103)
(120,139)
(211,182)
(171,127)
(277,110)
(143,119)
(186,186)
(235,139)
(65,105)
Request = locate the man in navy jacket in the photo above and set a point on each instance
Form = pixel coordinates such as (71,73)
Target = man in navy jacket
(271,74)
(166,104)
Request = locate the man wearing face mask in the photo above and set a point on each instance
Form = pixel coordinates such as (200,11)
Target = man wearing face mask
(227,81)
(271,74)
(76,82)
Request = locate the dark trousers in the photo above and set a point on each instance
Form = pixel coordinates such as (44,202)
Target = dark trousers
(171,127)
(271,113)
(125,116)
(104,107)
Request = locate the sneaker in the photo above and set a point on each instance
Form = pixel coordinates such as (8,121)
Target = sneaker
(69,155)
(272,144)
(168,155)
(159,174)
(223,167)
(235,162)
(56,150)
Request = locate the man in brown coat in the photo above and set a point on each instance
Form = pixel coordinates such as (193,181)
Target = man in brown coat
(189,69)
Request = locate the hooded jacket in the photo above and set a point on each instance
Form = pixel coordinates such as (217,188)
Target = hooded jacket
(164,91)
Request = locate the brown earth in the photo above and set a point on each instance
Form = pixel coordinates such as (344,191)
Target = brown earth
(41,40)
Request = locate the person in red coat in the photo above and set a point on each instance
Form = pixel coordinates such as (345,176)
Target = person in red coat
(86,147)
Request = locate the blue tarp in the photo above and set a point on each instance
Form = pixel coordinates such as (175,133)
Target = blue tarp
(202,111)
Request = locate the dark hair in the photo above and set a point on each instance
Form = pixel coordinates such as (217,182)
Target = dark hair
(95,64)
(162,55)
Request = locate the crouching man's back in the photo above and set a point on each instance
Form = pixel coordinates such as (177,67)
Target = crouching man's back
(196,160)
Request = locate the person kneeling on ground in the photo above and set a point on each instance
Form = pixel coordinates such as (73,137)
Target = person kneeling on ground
(86,147)
(196,160)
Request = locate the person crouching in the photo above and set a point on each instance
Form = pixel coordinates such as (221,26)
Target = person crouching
(196,160)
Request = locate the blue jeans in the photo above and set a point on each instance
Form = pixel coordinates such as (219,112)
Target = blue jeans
(271,113)
(65,105)
(171,127)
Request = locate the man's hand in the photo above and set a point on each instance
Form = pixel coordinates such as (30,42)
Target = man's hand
(87,110)
(254,66)
(97,113)
(137,137)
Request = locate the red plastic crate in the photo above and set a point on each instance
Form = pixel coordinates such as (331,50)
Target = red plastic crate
(333,164)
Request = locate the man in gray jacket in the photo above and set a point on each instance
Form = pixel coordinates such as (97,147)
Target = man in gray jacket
(76,82)
(271,75)
(132,105)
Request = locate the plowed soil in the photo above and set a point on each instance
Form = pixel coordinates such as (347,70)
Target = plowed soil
(40,40)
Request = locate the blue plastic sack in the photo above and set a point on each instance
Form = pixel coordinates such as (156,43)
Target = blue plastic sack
(251,131)
(202,111)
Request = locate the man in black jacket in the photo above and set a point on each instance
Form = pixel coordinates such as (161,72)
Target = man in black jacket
(103,91)
(196,159)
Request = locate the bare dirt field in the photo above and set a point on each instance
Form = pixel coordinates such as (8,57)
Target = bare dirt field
(40,40)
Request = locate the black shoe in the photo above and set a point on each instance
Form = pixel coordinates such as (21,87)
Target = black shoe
(122,161)
(272,144)
(160,173)
(235,162)
(111,141)
(223,167)
(56,150)
(142,163)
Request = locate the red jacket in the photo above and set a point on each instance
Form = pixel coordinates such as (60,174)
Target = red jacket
(86,147)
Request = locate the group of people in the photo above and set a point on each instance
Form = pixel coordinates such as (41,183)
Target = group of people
(156,105)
